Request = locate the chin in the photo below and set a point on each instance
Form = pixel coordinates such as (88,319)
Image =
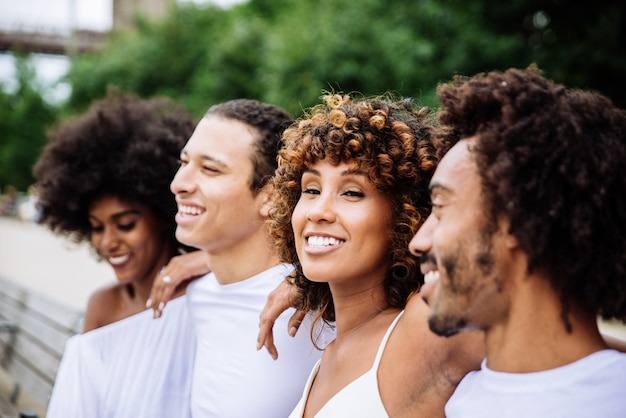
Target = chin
(446,326)
(184,238)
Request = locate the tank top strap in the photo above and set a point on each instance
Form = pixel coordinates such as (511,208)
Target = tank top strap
(383,343)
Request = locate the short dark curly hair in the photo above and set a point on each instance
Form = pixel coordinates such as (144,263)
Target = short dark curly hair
(391,141)
(122,146)
(553,161)
(269,121)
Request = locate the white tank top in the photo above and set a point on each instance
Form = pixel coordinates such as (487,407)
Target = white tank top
(360,398)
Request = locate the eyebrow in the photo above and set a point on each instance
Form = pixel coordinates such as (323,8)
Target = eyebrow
(344,173)
(436,186)
(205,157)
(121,214)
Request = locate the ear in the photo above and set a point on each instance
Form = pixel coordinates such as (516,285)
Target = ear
(510,241)
(265,200)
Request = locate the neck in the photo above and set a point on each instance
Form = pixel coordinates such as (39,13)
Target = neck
(357,308)
(534,335)
(140,289)
(243,260)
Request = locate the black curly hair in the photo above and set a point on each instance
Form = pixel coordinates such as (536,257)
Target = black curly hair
(122,146)
(391,141)
(553,161)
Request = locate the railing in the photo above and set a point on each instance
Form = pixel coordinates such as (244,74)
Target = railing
(33,332)
(51,43)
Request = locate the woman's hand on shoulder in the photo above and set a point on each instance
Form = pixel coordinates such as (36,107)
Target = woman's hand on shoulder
(174,277)
(278,301)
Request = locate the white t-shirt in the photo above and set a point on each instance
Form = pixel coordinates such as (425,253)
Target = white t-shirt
(592,387)
(136,367)
(231,378)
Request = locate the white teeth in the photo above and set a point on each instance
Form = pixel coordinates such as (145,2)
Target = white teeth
(118,259)
(431,276)
(314,241)
(190,210)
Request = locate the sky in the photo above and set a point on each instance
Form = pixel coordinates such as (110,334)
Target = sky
(56,16)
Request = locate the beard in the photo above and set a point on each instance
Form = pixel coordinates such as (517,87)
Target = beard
(462,277)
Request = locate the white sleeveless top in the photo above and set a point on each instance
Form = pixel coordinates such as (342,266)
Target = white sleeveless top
(360,398)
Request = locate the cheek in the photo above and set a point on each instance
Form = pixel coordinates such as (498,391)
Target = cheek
(94,239)
(456,268)
(298,217)
(144,236)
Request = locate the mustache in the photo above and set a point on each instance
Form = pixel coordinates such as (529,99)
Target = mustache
(427,258)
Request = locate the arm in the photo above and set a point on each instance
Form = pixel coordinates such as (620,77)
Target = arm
(278,301)
(181,269)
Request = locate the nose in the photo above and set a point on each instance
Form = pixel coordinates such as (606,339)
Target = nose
(321,209)
(422,242)
(182,181)
(106,241)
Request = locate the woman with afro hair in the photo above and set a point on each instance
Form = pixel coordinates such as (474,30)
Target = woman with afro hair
(104,179)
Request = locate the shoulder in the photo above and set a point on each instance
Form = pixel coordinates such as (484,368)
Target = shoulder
(103,305)
(429,359)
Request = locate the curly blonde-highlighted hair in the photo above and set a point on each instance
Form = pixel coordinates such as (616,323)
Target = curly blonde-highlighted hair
(395,145)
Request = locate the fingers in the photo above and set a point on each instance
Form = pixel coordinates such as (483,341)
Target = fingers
(266,337)
(174,277)
(162,290)
(295,321)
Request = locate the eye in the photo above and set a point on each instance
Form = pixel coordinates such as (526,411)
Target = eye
(436,206)
(126,226)
(96,228)
(210,169)
(182,162)
(354,193)
(310,190)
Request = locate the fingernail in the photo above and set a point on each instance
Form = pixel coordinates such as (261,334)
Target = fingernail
(148,303)
(292,331)
(161,306)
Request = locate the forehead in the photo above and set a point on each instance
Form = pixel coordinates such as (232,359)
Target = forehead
(456,172)
(111,203)
(221,138)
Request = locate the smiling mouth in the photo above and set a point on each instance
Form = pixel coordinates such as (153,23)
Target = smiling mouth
(190,210)
(116,260)
(322,242)
(431,276)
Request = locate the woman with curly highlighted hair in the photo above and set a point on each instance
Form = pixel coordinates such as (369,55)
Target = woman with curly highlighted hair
(104,179)
(351,190)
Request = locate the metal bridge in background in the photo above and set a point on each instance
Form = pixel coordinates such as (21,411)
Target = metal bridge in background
(72,41)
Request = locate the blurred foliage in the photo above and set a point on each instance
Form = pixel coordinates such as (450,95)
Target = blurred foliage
(24,117)
(288,52)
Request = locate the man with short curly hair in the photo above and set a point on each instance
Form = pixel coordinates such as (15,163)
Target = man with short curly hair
(528,238)
(224,196)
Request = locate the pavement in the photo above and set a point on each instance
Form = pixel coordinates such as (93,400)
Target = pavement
(37,259)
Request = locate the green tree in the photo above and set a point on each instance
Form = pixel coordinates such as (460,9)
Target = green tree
(24,118)
(168,58)
(289,51)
